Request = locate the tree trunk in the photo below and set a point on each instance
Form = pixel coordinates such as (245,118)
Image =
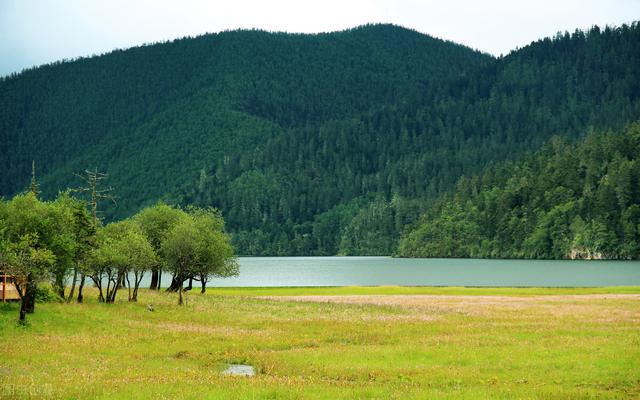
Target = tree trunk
(23,310)
(59,284)
(159,279)
(121,282)
(30,294)
(98,284)
(107,294)
(190,284)
(23,303)
(138,279)
(73,285)
(203,282)
(80,296)
(180,302)
(176,282)
(126,276)
(155,284)
(111,298)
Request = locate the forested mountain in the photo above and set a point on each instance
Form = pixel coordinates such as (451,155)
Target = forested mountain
(565,201)
(309,144)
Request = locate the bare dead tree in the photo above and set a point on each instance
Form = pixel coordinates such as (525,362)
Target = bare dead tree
(92,181)
(34,187)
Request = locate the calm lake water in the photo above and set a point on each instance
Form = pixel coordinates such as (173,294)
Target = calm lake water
(342,271)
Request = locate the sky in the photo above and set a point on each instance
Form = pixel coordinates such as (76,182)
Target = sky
(34,32)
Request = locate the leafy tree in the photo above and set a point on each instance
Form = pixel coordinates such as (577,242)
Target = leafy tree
(198,247)
(156,222)
(29,235)
(141,258)
(72,239)
(30,264)
(122,248)
(79,226)
(182,251)
(216,253)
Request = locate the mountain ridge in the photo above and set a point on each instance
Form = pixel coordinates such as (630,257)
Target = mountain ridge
(372,25)
(300,137)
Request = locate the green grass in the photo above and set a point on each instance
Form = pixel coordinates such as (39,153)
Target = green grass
(531,347)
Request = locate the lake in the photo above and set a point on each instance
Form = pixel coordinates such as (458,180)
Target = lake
(368,271)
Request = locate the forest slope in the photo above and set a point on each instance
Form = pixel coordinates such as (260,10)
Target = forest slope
(565,201)
(309,144)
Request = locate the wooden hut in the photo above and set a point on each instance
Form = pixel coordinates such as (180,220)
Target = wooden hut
(8,289)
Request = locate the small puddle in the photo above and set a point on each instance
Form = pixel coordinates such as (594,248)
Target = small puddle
(239,370)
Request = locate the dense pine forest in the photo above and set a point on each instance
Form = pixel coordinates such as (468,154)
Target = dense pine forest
(334,143)
(566,201)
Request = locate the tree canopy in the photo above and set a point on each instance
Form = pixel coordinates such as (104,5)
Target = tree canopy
(50,240)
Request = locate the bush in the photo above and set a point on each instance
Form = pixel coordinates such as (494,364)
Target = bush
(44,294)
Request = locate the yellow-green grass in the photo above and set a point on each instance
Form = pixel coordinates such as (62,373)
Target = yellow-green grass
(547,347)
(431,290)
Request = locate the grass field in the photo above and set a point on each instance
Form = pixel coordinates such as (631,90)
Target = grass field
(353,342)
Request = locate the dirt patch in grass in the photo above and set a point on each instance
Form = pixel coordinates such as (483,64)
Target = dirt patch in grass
(595,307)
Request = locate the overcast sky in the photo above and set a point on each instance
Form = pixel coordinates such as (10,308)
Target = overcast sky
(34,32)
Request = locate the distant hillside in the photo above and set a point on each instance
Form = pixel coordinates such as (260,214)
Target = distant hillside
(566,201)
(310,144)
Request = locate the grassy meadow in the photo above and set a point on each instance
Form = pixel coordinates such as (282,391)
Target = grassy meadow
(348,342)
